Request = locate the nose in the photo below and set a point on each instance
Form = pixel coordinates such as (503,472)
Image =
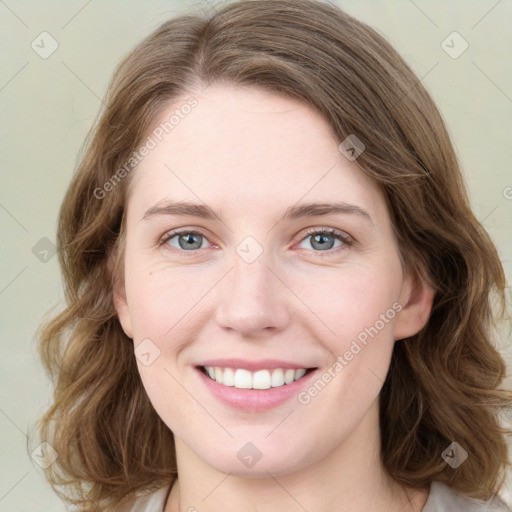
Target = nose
(252,299)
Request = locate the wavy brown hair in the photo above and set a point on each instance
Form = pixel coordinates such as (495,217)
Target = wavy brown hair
(443,383)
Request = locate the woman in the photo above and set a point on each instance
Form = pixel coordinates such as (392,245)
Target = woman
(278,297)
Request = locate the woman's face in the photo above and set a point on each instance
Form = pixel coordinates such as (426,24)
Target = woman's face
(268,285)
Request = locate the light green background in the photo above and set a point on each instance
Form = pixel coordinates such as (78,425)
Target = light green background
(49,104)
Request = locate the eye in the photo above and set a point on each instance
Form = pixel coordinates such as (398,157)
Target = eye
(187,240)
(323,240)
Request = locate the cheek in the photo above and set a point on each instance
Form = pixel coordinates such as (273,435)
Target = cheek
(169,399)
(351,302)
(150,309)
(160,296)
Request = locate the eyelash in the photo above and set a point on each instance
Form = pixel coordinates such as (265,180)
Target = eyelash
(339,235)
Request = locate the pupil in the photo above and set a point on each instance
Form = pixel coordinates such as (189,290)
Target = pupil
(320,239)
(190,240)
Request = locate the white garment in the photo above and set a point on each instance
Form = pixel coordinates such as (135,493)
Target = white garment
(443,499)
(440,499)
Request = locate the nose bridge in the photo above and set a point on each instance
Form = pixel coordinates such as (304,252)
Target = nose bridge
(249,300)
(254,276)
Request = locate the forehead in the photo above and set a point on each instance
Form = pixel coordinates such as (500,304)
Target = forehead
(248,147)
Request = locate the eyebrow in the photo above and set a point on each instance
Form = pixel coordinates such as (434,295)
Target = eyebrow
(296,211)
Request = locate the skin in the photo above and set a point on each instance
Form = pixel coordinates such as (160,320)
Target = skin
(251,154)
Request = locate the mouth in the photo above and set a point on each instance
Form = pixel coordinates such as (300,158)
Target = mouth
(241,378)
(252,385)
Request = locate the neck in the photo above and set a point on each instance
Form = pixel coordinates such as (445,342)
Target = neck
(350,479)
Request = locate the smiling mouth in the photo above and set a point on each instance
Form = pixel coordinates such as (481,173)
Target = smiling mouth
(261,379)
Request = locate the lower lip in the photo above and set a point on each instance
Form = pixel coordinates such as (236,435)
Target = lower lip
(254,399)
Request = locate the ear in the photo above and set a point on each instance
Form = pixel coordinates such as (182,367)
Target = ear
(119,296)
(416,299)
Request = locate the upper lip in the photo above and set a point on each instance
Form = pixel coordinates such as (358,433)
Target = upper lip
(251,365)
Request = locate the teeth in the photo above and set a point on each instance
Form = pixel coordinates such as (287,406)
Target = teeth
(243,378)
(228,379)
(289,376)
(299,373)
(261,379)
(277,378)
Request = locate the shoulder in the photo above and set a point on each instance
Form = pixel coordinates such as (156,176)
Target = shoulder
(154,502)
(444,499)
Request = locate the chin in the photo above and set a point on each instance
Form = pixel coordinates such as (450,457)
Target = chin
(251,462)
